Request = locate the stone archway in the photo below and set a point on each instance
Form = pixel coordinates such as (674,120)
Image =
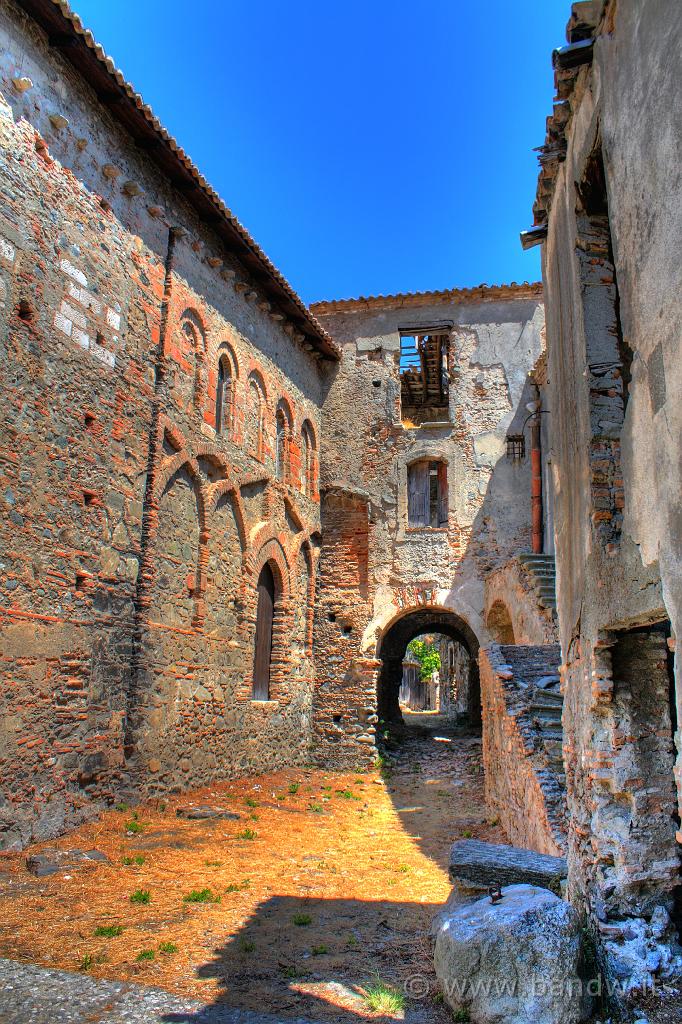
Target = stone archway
(393,644)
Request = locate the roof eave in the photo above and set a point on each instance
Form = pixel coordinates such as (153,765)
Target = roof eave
(66,33)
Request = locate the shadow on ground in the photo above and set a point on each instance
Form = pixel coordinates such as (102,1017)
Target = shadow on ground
(309,958)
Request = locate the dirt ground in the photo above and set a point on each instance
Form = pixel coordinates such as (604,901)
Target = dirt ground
(325,882)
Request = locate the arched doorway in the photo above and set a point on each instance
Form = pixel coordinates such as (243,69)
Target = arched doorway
(393,646)
(265,615)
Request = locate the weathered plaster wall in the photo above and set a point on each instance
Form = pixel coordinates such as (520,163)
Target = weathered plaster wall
(495,340)
(511,595)
(132,533)
(617,471)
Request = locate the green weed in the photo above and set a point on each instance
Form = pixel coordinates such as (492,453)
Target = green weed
(383,998)
(201,896)
(248,833)
(108,931)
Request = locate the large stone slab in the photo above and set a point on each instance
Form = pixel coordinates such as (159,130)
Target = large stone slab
(50,861)
(511,962)
(476,865)
(206,812)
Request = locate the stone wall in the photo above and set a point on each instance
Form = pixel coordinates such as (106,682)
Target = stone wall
(133,531)
(524,787)
(494,341)
(614,320)
(512,607)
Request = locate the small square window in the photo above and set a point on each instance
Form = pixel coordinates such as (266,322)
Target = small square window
(516,447)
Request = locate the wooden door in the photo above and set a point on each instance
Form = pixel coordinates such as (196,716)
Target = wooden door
(263,643)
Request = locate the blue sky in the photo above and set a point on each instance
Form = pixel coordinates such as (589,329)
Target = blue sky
(369,147)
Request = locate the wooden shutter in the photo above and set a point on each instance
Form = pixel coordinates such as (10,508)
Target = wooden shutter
(418,494)
(263,642)
(442,494)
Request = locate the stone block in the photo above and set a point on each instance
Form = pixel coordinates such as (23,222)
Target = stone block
(475,864)
(50,861)
(514,961)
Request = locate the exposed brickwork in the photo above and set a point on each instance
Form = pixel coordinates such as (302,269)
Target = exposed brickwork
(133,530)
(524,786)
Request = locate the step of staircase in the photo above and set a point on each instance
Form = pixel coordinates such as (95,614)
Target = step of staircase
(542,570)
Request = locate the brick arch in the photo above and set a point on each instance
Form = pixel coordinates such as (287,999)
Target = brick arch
(309,468)
(168,430)
(268,548)
(226,349)
(173,466)
(230,487)
(303,544)
(273,553)
(211,453)
(191,317)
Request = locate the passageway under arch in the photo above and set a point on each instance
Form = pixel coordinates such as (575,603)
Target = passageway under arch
(393,646)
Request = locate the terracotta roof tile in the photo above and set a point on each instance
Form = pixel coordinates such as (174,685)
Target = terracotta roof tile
(58,20)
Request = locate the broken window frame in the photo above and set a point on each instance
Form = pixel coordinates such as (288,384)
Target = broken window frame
(427,494)
(424,374)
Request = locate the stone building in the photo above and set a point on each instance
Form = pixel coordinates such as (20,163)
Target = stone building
(422,495)
(608,214)
(225,515)
(160,425)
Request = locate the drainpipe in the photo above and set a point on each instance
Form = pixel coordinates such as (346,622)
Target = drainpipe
(536,482)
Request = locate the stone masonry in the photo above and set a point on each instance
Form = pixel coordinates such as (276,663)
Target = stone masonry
(223,516)
(135,525)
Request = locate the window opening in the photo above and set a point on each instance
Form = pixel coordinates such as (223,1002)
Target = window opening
(427,486)
(424,378)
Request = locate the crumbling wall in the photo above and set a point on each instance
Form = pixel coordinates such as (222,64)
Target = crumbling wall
(494,340)
(524,788)
(511,595)
(133,531)
(614,316)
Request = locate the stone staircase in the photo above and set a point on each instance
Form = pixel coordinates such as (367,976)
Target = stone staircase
(534,692)
(542,571)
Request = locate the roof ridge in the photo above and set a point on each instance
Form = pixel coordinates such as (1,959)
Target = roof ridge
(36,8)
(482,291)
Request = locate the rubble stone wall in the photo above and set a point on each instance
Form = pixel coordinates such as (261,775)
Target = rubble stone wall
(614,320)
(133,532)
(520,789)
(495,339)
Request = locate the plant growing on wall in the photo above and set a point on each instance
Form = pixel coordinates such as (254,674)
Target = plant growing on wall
(427,656)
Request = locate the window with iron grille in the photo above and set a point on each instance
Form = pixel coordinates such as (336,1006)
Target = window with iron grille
(516,447)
